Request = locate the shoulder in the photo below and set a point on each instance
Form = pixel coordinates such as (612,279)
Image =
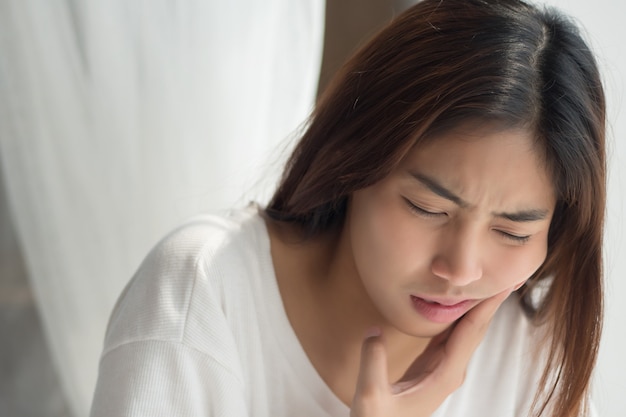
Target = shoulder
(203,236)
(173,333)
(186,277)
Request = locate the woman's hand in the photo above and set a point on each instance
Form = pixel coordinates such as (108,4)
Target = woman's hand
(434,375)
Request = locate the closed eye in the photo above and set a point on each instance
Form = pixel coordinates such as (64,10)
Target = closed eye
(420,211)
(515,238)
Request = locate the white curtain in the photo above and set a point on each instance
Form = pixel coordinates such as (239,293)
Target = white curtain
(120,118)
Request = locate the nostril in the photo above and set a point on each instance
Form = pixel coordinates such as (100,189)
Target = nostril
(459,271)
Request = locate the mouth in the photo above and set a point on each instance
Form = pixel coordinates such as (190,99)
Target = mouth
(441,310)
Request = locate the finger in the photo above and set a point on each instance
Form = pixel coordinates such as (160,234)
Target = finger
(373,378)
(426,361)
(519,285)
(470,330)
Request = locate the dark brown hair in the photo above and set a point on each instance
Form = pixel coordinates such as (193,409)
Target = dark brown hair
(443,62)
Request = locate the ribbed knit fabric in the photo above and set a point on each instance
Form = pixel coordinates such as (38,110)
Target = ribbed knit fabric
(201,331)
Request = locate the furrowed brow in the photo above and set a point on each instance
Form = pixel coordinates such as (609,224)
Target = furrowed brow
(438,189)
(524,215)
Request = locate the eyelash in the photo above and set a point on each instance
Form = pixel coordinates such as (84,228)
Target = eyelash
(425,213)
(422,212)
(514,238)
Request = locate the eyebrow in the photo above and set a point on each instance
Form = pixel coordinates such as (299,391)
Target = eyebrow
(439,189)
(518,216)
(524,215)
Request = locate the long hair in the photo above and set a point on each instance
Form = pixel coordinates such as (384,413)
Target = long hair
(443,62)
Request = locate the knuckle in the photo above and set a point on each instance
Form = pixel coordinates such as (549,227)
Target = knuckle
(461,379)
(458,380)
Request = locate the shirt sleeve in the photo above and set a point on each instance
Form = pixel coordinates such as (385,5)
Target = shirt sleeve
(169,350)
(162,378)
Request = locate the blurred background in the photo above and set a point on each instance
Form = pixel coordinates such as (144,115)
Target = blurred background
(119,120)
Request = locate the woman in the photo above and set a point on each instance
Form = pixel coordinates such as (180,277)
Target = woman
(457,158)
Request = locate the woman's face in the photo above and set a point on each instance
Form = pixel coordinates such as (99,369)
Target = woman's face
(462,218)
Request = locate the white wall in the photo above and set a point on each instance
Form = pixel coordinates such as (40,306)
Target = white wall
(604,22)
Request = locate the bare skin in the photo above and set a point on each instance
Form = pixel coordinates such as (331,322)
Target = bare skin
(435,374)
(318,312)
(462,220)
(393,368)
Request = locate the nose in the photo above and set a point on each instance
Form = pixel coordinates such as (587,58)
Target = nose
(458,258)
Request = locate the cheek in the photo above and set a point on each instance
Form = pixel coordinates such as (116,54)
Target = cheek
(371,229)
(386,245)
(513,267)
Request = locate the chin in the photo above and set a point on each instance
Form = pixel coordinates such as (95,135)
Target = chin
(424,329)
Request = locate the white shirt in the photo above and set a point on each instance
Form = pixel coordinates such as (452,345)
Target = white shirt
(201,331)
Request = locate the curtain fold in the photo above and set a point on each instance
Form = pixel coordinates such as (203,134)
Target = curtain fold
(120,118)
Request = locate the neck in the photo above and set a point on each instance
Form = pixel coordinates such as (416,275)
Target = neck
(350,311)
(330,310)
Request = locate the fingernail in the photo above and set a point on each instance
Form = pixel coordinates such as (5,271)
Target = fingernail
(373,332)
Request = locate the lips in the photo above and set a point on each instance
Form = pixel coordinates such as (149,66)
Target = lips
(441,310)
(443,301)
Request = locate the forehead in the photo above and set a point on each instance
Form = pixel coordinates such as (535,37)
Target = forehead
(484,161)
